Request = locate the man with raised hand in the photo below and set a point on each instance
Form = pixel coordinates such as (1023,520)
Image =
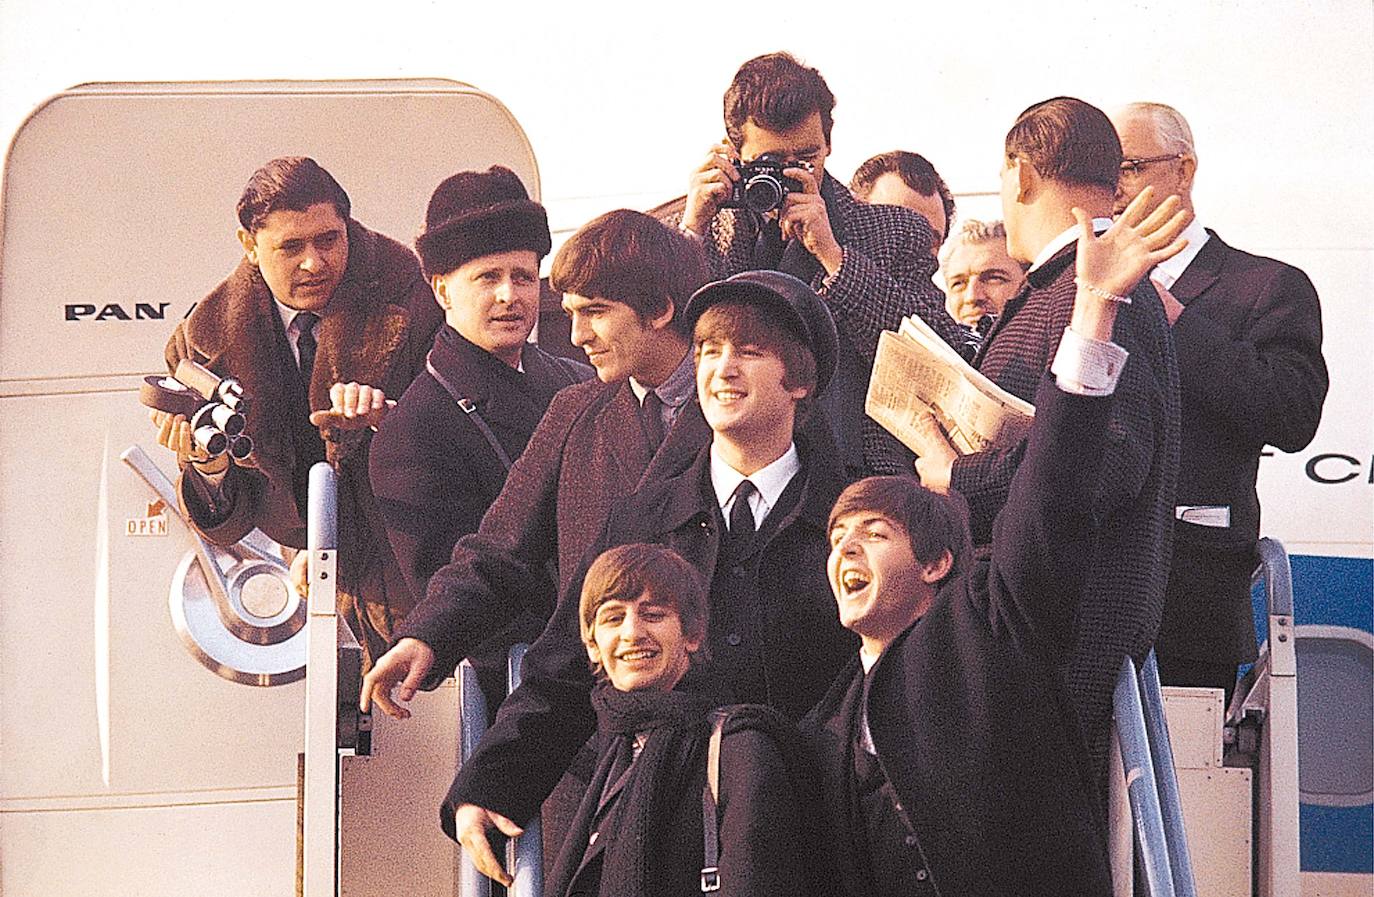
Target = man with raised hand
(951,759)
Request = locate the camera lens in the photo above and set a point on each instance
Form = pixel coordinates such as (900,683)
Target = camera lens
(763,193)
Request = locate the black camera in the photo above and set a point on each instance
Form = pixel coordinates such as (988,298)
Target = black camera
(761,186)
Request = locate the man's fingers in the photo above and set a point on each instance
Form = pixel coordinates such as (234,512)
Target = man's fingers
(1085,223)
(508,828)
(1139,207)
(474,841)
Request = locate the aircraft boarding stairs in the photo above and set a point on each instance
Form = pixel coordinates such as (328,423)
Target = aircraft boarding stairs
(1242,800)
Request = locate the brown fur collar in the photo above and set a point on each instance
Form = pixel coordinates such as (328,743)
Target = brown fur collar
(234,330)
(367,320)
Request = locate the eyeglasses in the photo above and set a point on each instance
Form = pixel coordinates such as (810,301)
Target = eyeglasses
(1133,166)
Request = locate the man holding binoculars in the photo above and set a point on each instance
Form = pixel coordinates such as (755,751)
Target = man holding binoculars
(320,321)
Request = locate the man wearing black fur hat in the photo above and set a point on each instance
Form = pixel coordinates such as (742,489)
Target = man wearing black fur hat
(441,457)
(320,322)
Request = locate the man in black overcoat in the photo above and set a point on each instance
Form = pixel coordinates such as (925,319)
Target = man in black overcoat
(951,760)
(441,456)
(1248,335)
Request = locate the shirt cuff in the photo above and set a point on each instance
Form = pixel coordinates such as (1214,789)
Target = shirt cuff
(1087,367)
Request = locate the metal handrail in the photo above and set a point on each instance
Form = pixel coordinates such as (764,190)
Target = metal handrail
(472,726)
(1166,778)
(1141,786)
(524,854)
(320,860)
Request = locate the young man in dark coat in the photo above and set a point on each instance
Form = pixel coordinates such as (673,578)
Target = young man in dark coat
(641,826)
(1061,154)
(748,511)
(626,278)
(320,322)
(871,264)
(952,761)
(441,457)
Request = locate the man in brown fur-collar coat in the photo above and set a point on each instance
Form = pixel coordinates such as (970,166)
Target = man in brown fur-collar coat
(320,322)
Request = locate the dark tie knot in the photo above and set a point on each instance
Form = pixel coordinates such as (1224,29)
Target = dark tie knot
(306,322)
(742,517)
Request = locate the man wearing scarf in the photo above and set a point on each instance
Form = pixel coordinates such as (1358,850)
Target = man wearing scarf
(640,829)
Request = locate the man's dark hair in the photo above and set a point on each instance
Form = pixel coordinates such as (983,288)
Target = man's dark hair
(750,324)
(1069,141)
(293,183)
(915,171)
(778,93)
(629,257)
(934,522)
(627,572)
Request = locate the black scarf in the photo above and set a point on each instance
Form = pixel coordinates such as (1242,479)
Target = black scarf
(665,777)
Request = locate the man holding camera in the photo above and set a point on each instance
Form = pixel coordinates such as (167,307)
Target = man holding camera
(762,200)
(320,321)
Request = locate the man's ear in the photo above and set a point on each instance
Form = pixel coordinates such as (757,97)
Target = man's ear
(1187,167)
(440,288)
(937,569)
(665,317)
(249,244)
(1027,180)
(594,655)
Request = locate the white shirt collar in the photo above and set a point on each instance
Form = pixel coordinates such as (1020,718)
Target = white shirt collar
(287,314)
(867,659)
(1169,271)
(769,482)
(1069,235)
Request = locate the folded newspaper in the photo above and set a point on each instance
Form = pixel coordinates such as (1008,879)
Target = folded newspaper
(916,371)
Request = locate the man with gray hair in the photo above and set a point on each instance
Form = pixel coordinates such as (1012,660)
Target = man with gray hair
(980,276)
(1247,334)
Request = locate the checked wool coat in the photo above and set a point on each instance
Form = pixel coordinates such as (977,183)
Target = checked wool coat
(1134,498)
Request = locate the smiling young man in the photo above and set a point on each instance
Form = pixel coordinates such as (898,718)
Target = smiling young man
(747,511)
(871,264)
(639,829)
(441,456)
(952,760)
(626,278)
(320,322)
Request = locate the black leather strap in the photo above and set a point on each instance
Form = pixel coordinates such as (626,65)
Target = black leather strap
(470,410)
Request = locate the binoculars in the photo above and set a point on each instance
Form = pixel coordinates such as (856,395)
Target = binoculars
(214,405)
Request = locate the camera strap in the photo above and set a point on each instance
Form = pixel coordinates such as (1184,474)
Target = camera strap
(470,409)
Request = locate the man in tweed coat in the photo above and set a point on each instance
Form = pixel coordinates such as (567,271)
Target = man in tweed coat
(872,264)
(1061,154)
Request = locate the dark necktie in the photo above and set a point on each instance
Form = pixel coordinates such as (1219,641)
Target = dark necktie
(306,345)
(651,412)
(742,520)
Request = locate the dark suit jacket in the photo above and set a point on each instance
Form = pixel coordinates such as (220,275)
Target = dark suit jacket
(588,450)
(885,276)
(801,643)
(1251,374)
(435,474)
(375,330)
(1134,500)
(968,712)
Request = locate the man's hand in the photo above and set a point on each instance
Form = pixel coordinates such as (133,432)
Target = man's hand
(407,663)
(300,574)
(711,184)
(471,824)
(174,432)
(803,217)
(353,406)
(934,455)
